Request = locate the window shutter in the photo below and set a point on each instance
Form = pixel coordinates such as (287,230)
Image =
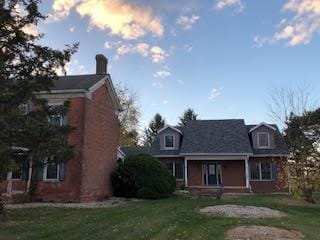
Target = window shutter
(25,170)
(61,171)
(39,170)
(274,171)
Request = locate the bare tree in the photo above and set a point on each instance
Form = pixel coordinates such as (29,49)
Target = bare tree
(297,112)
(286,101)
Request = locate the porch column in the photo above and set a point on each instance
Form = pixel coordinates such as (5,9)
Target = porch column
(185,172)
(247,172)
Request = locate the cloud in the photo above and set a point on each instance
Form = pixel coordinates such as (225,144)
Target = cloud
(120,17)
(158,54)
(140,48)
(162,74)
(158,84)
(187,22)
(296,30)
(188,48)
(165,101)
(214,93)
(301,27)
(30,29)
(72,67)
(72,29)
(181,82)
(223,4)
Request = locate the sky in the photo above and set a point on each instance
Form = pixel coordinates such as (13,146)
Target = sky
(220,57)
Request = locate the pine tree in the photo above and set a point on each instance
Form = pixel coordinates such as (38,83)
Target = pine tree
(155,124)
(187,115)
(27,68)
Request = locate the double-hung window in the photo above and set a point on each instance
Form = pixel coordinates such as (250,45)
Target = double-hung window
(176,169)
(263,140)
(169,141)
(50,171)
(262,171)
(57,119)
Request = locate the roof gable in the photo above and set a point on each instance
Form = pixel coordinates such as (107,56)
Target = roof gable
(262,124)
(171,127)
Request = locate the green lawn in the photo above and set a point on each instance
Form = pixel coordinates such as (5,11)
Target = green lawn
(173,218)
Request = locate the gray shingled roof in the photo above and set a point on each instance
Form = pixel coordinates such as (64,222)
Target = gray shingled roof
(280,145)
(216,137)
(135,150)
(72,82)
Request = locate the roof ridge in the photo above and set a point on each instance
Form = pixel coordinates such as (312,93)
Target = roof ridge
(77,75)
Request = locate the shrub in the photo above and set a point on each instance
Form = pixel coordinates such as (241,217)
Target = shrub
(142,176)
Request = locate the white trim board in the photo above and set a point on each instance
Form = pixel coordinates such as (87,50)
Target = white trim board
(262,124)
(169,126)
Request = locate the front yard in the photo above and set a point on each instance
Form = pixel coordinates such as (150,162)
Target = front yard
(173,218)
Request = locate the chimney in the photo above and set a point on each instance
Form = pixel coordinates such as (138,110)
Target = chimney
(101,64)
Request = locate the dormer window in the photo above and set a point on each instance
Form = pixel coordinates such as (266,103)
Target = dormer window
(263,140)
(169,141)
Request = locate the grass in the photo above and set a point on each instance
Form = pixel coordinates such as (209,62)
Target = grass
(173,218)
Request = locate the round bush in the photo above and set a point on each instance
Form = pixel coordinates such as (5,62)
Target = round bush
(142,176)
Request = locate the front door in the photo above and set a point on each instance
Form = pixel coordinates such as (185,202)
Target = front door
(210,174)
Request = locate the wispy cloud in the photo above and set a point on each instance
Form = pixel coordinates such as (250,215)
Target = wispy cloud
(214,93)
(140,48)
(72,29)
(181,82)
(187,22)
(120,17)
(162,73)
(223,4)
(188,48)
(72,67)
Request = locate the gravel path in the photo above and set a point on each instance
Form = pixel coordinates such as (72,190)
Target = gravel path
(262,233)
(110,202)
(242,211)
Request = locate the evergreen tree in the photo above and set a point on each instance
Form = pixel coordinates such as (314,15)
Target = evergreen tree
(188,115)
(302,134)
(27,68)
(155,124)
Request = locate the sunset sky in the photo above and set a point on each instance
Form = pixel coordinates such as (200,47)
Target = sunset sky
(222,58)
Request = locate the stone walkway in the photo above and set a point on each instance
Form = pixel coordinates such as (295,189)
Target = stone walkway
(110,202)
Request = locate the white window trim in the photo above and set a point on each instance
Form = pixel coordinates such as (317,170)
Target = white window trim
(45,169)
(258,140)
(173,142)
(260,174)
(61,117)
(174,171)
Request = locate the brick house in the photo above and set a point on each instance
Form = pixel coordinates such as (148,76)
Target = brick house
(93,112)
(208,154)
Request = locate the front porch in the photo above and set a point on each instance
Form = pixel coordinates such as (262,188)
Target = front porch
(212,173)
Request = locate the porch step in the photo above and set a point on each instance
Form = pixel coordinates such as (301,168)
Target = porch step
(205,193)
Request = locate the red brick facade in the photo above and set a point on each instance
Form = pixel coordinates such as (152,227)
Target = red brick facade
(280,184)
(95,141)
(233,175)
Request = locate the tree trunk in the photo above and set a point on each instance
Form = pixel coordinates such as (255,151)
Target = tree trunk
(29,175)
(308,194)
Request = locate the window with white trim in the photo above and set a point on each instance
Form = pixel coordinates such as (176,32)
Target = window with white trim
(50,171)
(262,171)
(57,120)
(263,140)
(169,141)
(176,169)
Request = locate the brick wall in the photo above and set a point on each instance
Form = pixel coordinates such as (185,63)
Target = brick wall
(69,188)
(277,185)
(100,146)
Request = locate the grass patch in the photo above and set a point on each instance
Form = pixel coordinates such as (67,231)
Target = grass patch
(173,218)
